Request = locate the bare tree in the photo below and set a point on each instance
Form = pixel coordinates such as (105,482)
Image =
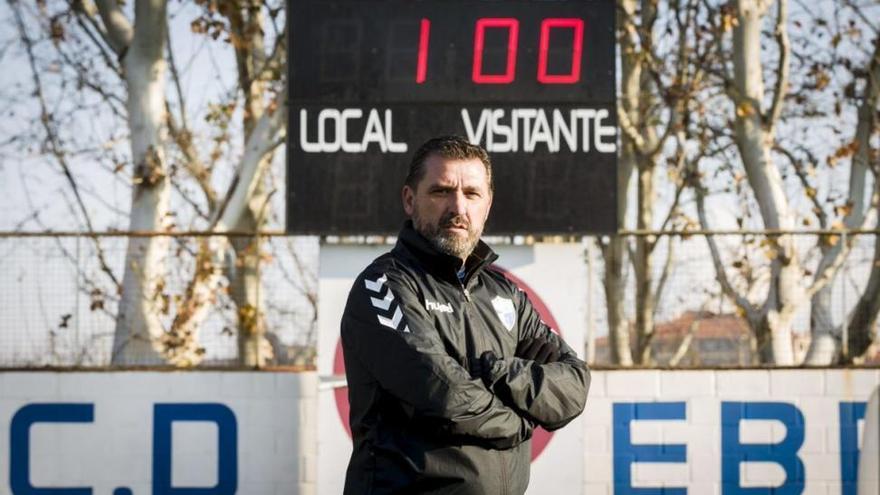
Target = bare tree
(614,250)
(756,120)
(140,83)
(757,115)
(140,46)
(244,205)
(826,344)
(656,85)
(862,323)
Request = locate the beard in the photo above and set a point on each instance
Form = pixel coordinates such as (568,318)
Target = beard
(448,242)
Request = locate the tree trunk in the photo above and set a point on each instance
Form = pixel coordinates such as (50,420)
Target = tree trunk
(254,350)
(774,339)
(825,345)
(262,129)
(615,288)
(825,342)
(639,151)
(644,266)
(863,324)
(138,338)
(754,141)
(614,251)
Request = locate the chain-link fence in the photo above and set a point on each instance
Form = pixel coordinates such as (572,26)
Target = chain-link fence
(61,295)
(691,319)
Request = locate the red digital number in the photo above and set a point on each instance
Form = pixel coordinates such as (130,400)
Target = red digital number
(512,26)
(577,45)
(424,39)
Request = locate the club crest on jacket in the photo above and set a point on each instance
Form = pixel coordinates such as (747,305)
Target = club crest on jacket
(505,311)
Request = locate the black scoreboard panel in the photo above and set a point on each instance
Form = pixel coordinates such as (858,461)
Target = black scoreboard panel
(530,80)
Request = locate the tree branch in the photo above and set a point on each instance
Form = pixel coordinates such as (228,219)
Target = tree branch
(82,11)
(193,165)
(832,262)
(667,268)
(250,169)
(818,208)
(118,27)
(857,9)
(858,205)
(682,155)
(685,343)
(52,140)
(186,197)
(740,300)
(114,102)
(275,60)
(631,132)
(782,68)
(175,76)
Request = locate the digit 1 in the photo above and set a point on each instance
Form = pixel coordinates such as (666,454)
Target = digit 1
(577,47)
(512,26)
(424,39)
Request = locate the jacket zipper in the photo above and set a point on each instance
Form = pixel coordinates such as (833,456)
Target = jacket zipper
(504,488)
(477,338)
(470,344)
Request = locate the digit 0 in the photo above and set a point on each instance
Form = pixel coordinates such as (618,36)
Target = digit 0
(512,26)
(576,49)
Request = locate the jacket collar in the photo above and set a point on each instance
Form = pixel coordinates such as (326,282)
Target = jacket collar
(441,264)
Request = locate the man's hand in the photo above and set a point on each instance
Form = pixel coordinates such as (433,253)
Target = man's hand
(482,367)
(540,350)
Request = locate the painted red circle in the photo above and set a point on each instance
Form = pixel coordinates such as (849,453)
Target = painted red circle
(540,438)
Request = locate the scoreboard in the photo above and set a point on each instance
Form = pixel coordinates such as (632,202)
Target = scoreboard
(532,81)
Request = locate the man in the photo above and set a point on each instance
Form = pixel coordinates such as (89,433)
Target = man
(449,366)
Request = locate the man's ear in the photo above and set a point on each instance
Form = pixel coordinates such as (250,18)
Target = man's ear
(408,197)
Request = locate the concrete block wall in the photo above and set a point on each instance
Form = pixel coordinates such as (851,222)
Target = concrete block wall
(720,432)
(129,432)
(644,431)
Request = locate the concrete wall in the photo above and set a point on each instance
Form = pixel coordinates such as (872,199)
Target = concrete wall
(645,432)
(154,433)
(699,432)
(711,432)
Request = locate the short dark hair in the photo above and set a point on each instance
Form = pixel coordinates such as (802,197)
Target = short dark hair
(453,147)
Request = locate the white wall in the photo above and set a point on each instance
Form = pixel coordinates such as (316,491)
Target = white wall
(807,403)
(276,432)
(812,409)
(115,442)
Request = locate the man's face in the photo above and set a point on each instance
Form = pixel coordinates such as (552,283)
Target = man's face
(450,204)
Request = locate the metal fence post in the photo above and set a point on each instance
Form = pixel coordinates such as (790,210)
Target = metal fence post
(844,345)
(76,290)
(259,309)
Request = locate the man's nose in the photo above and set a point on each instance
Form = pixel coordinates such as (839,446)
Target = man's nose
(458,203)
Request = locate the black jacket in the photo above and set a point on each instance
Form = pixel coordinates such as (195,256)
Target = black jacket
(421,423)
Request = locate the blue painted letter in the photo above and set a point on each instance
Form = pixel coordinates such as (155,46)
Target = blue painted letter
(783,453)
(850,415)
(227,447)
(20,448)
(625,453)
